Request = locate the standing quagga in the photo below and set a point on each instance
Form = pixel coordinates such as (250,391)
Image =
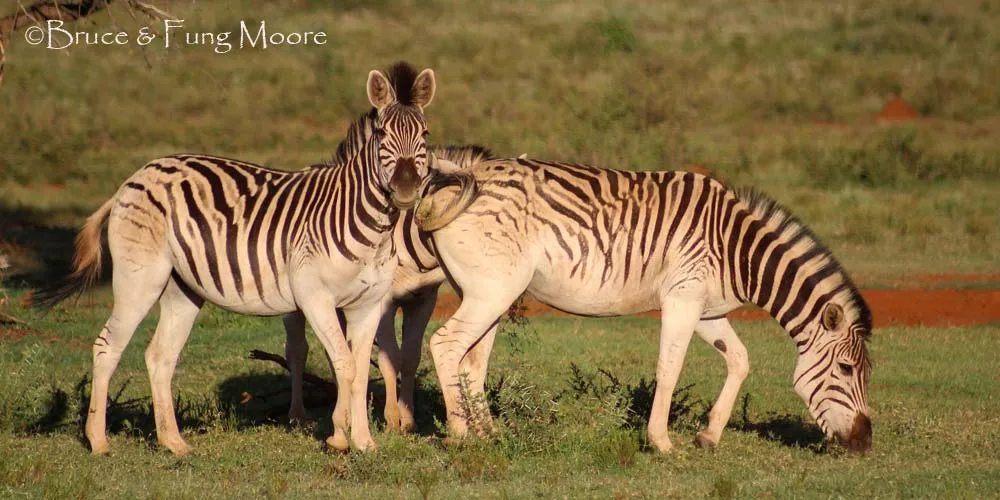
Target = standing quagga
(600,242)
(414,290)
(190,228)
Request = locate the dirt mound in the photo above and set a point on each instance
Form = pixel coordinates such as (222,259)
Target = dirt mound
(927,307)
(896,110)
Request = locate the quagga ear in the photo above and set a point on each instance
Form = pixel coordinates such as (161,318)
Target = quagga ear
(380,92)
(423,88)
(833,316)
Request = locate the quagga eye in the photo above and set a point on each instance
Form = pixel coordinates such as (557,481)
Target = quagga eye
(846,369)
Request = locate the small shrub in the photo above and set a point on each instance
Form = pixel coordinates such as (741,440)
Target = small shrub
(616,32)
(479,462)
(620,449)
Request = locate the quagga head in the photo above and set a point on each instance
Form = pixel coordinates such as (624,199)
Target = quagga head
(399,99)
(832,372)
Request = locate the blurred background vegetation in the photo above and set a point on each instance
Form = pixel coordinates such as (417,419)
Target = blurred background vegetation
(781,95)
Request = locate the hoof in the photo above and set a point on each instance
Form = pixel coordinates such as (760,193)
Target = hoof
(99,451)
(338,443)
(367,447)
(452,442)
(178,449)
(703,441)
(392,425)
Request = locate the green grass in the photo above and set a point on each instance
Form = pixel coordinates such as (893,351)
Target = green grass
(570,396)
(778,95)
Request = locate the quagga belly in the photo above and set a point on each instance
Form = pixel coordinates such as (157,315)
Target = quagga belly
(601,242)
(189,228)
(414,290)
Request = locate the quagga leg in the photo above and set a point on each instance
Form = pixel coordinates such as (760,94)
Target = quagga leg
(296,351)
(719,334)
(497,284)
(389,358)
(140,278)
(178,309)
(362,320)
(679,314)
(319,310)
(417,310)
(474,364)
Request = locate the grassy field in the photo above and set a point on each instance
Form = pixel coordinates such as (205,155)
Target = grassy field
(567,428)
(778,95)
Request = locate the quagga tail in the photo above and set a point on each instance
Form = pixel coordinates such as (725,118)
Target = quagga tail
(414,290)
(188,228)
(601,242)
(87,262)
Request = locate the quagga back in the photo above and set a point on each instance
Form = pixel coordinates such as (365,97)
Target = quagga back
(188,228)
(414,290)
(601,242)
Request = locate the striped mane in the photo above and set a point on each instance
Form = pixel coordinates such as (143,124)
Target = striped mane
(463,156)
(781,220)
(357,134)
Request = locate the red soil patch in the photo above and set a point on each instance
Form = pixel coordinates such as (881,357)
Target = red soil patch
(896,110)
(927,307)
(12,334)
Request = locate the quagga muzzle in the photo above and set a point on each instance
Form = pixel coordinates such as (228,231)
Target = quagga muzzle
(189,228)
(601,242)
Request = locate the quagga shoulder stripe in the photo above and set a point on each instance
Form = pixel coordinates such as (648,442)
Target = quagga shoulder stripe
(603,242)
(414,290)
(188,228)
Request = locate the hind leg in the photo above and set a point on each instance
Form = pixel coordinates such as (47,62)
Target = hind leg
(136,289)
(474,364)
(720,334)
(679,315)
(388,364)
(416,315)
(296,351)
(179,307)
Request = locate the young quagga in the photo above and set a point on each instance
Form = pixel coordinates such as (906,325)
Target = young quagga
(414,290)
(190,228)
(602,242)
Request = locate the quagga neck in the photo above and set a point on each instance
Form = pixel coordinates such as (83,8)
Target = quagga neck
(351,209)
(779,264)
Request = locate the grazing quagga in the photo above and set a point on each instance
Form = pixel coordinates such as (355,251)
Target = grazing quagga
(190,228)
(601,242)
(414,289)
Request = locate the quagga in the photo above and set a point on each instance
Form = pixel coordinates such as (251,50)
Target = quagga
(190,228)
(601,242)
(414,290)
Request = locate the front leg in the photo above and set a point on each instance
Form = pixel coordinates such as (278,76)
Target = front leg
(319,307)
(679,316)
(416,314)
(362,322)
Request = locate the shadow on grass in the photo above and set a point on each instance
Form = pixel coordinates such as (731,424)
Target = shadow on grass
(39,253)
(789,430)
(255,399)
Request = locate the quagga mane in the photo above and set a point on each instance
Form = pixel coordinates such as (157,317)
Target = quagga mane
(414,290)
(602,242)
(188,228)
